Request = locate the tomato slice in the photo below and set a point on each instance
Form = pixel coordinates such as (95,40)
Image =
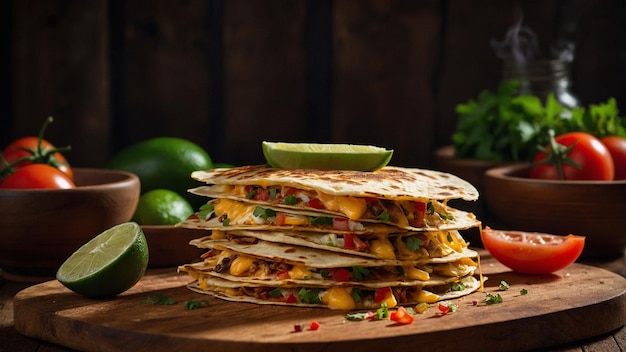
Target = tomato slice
(532,252)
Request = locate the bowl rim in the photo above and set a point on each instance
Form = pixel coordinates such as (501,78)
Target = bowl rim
(514,173)
(129,178)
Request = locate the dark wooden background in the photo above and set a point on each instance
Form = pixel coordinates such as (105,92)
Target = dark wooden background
(228,74)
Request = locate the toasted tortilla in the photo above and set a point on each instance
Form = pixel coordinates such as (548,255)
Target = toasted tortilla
(390,182)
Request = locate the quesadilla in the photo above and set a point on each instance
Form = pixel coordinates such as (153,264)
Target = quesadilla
(412,199)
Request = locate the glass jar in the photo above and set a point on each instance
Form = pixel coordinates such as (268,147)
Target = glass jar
(541,77)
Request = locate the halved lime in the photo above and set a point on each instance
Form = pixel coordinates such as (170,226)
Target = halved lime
(326,156)
(108,264)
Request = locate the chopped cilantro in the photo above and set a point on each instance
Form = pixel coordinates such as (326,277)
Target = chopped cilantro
(382,312)
(275,293)
(191,305)
(356,294)
(384,216)
(457,286)
(160,298)
(430,208)
(310,296)
(413,243)
(493,299)
(226,222)
(273,193)
(251,194)
(290,199)
(263,213)
(359,273)
(206,211)
(523,291)
(503,286)
(321,220)
(446,216)
(357,316)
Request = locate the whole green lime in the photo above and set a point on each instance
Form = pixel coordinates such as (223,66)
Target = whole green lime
(164,162)
(161,207)
(108,264)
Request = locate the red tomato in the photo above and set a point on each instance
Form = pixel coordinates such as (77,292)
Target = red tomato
(530,252)
(280,218)
(315,203)
(341,224)
(617,147)
(314,325)
(351,241)
(382,293)
(37,176)
(588,152)
(15,151)
(341,275)
(401,316)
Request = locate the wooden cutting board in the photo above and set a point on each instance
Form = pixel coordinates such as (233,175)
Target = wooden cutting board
(571,305)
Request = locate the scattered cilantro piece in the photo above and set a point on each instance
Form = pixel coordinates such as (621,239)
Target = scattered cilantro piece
(160,298)
(503,286)
(523,291)
(191,305)
(493,299)
(357,316)
(382,312)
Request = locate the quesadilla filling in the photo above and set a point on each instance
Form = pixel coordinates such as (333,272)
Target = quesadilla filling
(343,298)
(402,213)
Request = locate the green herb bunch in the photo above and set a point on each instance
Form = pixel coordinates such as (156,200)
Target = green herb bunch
(505,126)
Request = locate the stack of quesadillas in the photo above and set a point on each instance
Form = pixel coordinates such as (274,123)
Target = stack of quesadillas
(336,239)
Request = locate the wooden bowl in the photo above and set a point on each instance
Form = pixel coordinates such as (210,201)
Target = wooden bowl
(595,209)
(40,228)
(169,245)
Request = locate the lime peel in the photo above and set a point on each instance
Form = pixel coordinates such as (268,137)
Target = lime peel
(325,156)
(109,264)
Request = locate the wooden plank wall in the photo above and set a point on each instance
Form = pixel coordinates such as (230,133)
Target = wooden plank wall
(228,74)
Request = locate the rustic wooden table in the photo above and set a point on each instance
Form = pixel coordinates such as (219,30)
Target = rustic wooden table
(12,340)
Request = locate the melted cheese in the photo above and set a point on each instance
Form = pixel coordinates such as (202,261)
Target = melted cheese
(414,273)
(296,220)
(236,212)
(218,235)
(352,207)
(300,272)
(338,298)
(425,296)
(241,265)
(382,248)
(390,299)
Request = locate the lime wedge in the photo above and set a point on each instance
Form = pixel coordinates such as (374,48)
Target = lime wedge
(325,156)
(108,264)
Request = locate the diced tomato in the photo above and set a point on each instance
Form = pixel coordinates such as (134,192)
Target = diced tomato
(341,224)
(280,218)
(291,298)
(444,308)
(262,194)
(282,275)
(314,325)
(341,275)
(419,215)
(289,190)
(401,316)
(351,241)
(381,294)
(315,203)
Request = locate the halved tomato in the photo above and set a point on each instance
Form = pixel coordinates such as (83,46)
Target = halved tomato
(532,252)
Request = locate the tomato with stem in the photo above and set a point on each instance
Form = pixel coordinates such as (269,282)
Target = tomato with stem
(35,150)
(573,156)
